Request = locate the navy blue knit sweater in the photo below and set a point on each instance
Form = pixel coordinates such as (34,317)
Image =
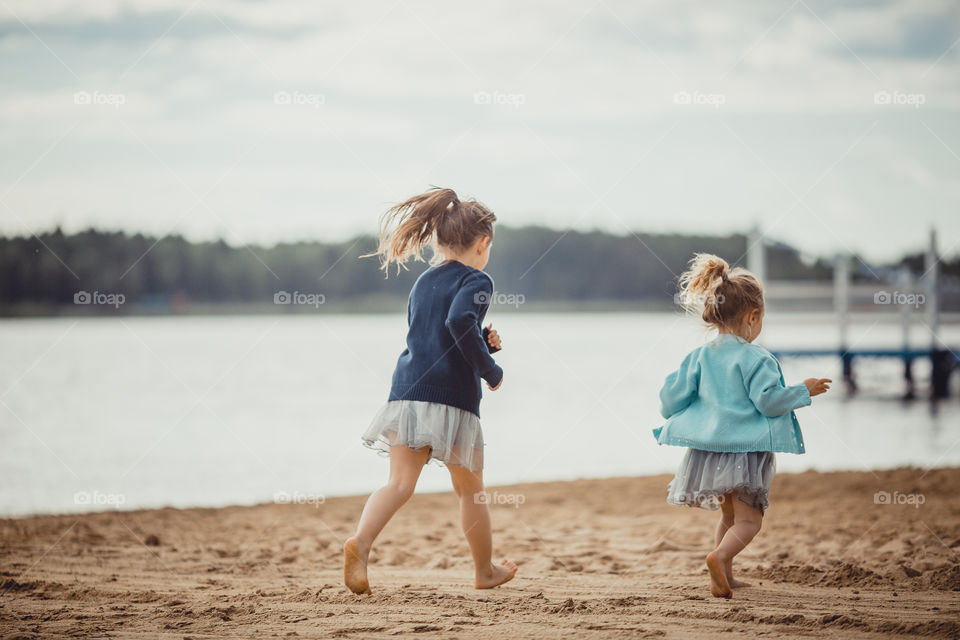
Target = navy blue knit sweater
(446,354)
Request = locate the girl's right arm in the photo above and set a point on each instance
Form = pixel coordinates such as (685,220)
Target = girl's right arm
(462,322)
(680,387)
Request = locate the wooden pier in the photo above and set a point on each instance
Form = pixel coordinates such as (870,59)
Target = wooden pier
(900,291)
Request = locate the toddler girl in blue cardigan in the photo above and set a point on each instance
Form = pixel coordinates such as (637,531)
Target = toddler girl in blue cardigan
(433,410)
(729,404)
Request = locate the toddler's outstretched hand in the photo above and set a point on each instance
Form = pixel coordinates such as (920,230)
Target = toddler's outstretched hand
(499,384)
(816,386)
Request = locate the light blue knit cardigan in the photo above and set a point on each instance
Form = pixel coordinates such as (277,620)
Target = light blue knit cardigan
(729,395)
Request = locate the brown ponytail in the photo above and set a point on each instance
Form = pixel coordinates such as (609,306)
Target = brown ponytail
(719,294)
(436,217)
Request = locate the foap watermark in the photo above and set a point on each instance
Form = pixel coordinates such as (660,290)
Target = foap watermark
(700,500)
(715,100)
(511,499)
(900,99)
(99,499)
(499,298)
(115,100)
(885,497)
(299,298)
(514,100)
(99,298)
(689,300)
(286,497)
(315,100)
(899,298)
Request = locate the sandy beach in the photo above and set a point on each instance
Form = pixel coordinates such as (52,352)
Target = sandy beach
(598,559)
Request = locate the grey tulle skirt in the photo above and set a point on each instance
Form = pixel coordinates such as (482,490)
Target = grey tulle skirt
(705,476)
(453,435)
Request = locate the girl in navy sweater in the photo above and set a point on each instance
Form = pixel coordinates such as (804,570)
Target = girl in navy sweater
(433,410)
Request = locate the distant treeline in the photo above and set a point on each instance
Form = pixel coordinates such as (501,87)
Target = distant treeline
(541,264)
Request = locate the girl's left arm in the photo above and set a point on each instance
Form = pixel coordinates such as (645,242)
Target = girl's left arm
(770,395)
(680,387)
(462,322)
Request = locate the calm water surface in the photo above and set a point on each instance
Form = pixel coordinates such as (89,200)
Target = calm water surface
(238,410)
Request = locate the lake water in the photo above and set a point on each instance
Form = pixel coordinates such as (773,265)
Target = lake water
(186,411)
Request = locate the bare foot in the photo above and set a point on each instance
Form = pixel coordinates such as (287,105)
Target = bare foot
(719,586)
(733,582)
(497,575)
(355,566)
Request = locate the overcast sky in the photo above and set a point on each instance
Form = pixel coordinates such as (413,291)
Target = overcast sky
(834,124)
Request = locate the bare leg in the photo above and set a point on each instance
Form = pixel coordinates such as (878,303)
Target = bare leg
(746,525)
(475,519)
(405,467)
(726,521)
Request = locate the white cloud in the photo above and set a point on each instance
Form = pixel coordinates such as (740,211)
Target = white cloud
(592,86)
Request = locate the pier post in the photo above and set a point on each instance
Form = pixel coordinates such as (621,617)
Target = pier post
(942,363)
(941,359)
(906,284)
(757,253)
(931,290)
(841,308)
(911,391)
